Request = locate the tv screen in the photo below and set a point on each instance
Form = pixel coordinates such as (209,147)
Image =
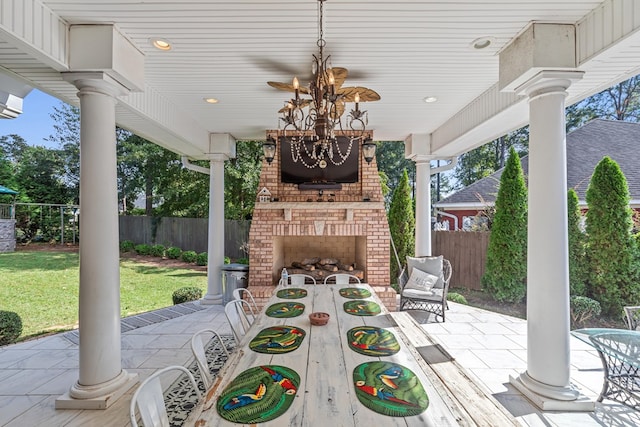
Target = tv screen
(297,173)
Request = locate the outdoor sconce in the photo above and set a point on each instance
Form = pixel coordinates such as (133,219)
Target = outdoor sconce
(269,149)
(368,150)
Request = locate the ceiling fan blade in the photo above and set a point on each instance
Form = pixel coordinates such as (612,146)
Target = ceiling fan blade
(288,87)
(366,94)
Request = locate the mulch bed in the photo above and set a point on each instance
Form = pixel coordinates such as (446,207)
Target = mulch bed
(144,259)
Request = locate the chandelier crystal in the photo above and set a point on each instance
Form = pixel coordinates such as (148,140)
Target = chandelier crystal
(314,115)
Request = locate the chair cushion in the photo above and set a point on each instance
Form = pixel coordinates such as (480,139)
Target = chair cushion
(433,294)
(428,264)
(421,280)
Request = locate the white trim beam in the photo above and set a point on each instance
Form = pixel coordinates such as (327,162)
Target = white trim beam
(36,30)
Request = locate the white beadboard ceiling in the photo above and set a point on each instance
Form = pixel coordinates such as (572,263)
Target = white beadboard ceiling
(405,50)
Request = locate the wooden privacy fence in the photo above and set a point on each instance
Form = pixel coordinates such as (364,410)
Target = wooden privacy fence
(189,234)
(467,252)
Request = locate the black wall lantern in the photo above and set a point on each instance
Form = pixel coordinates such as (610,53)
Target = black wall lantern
(368,150)
(269,149)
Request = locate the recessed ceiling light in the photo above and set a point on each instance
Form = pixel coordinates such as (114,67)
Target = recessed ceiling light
(430,99)
(160,43)
(482,43)
(211,100)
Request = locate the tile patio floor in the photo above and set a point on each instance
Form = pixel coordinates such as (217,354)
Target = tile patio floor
(491,346)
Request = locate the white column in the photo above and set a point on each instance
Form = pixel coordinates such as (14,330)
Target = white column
(216,230)
(423,205)
(101,377)
(547,379)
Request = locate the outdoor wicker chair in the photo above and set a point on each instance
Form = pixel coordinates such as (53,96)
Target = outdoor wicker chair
(425,289)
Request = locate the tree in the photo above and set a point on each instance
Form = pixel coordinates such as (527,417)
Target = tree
(579,114)
(12,148)
(488,158)
(241,178)
(610,244)
(141,168)
(402,224)
(619,102)
(577,266)
(40,174)
(506,266)
(391,161)
(183,192)
(67,136)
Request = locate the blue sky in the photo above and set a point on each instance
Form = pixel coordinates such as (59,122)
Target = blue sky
(35,123)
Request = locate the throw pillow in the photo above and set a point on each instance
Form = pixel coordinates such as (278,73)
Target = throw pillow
(428,264)
(421,280)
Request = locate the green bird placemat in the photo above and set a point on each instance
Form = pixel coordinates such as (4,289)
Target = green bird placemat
(277,340)
(285,309)
(362,308)
(354,293)
(372,341)
(258,394)
(389,389)
(291,293)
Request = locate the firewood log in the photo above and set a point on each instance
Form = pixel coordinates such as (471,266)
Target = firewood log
(345,267)
(358,273)
(310,261)
(305,267)
(326,261)
(328,267)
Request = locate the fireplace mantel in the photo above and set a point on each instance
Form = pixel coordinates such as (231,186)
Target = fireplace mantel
(289,208)
(320,205)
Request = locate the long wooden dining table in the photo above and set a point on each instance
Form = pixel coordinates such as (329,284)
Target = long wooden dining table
(326,394)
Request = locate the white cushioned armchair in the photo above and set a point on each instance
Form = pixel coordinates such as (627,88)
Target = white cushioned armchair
(424,284)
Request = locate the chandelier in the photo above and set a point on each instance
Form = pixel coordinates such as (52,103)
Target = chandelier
(314,116)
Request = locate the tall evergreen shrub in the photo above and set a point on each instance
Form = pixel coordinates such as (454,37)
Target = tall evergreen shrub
(610,244)
(402,224)
(506,266)
(577,261)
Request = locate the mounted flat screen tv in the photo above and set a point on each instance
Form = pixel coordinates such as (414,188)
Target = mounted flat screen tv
(297,173)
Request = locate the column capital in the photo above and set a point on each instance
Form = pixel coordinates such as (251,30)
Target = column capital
(96,81)
(547,81)
(217,157)
(422,158)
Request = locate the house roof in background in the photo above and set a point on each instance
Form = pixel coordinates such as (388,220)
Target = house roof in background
(586,146)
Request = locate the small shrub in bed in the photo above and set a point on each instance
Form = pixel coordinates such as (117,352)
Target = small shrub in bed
(583,308)
(143,249)
(10,327)
(188,293)
(456,297)
(202,258)
(189,256)
(227,260)
(127,246)
(157,250)
(174,252)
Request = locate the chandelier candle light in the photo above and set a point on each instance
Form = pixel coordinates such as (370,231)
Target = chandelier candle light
(311,124)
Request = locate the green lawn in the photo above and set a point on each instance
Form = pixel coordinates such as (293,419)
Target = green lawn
(42,287)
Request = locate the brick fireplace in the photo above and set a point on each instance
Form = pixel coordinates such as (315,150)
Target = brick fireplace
(290,224)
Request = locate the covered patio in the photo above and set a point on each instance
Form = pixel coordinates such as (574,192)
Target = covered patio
(490,346)
(192,76)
